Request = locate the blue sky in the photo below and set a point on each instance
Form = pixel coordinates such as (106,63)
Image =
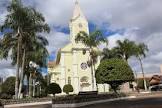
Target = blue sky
(137,20)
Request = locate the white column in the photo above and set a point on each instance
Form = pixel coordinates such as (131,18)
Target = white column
(75,73)
(63,77)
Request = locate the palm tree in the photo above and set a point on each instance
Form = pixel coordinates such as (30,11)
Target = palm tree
(125,49)
(91,40)
(109,53)
(22,24)
(140,53)
(36,52)
(39,56)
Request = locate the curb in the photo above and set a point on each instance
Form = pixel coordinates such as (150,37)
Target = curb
(26,104)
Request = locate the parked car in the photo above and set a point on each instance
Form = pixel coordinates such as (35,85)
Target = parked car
(156,87)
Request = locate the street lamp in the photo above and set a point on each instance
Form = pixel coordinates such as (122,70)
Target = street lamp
(38,85)
(34,66)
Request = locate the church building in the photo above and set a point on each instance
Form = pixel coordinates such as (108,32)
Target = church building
(71,65)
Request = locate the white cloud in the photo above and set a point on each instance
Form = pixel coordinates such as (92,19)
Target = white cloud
(141,20)
(6,69)
(57,40)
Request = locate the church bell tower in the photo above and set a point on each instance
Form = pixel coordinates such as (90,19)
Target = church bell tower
(77,23)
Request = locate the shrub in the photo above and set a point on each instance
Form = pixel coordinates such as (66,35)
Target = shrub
(5,96)
(8,87)
(114,72)
(53,88)
(68,88)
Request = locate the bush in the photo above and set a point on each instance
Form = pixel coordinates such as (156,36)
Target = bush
(53,88)
(5,96)
(114,72)
(8,87)
(68,88)
(72,99)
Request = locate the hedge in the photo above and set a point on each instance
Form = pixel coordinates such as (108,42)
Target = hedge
(84,98)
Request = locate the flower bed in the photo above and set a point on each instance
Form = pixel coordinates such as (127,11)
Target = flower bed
(84,98)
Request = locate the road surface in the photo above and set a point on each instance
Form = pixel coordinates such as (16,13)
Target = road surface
(154,102)
(151,102)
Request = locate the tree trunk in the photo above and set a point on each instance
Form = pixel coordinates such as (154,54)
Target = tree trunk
(30,85)
(18,65)
(33,87)
(92,73)
(144,79)
(94,78)
(27,89)
(22,74)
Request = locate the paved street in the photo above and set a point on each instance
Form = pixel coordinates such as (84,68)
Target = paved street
(151,102)
(131,103)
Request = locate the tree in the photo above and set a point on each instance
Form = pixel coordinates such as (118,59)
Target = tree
(8,86)
(125,49)
(68,88)
(23,24)
(38,53)
(109,53)
(91,40)
(53,88)
(114,72)
(140,52)
(141,84)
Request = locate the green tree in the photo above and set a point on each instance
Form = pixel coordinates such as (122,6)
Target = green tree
(114,72)
(91,40)
(110,53)
(140,52)
(53,88)
(125,49)
(23,24)
(8,86)
(38,53)
(68,88)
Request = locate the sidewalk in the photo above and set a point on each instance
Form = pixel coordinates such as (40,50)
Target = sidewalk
(28,104)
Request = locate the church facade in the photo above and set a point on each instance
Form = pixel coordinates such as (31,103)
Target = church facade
(71,65)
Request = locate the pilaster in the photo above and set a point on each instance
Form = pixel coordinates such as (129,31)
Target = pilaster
(63,73)
(75,73)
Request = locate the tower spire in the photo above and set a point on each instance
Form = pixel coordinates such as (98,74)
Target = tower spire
(77,11)
(76,2)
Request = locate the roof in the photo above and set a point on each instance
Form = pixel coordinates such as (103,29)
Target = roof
(68,47)
(148,75)
(52,64)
